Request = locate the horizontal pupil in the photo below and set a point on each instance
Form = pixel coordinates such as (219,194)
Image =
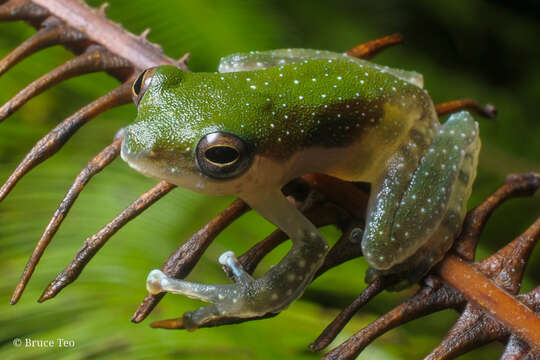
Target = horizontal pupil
(138,83)
(221,154)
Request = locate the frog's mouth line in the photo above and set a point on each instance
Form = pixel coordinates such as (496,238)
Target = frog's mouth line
(146,163)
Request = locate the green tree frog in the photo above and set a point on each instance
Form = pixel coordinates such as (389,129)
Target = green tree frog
(268,117)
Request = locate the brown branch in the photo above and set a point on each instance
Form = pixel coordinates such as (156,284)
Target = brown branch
(335,327)
(502,268)
(426,301)
(56,138)
(182,261)
(50,34)
(97,164)
(94,59)
(23,10)
(96,241)
(494,300)
(369,49)
(488,111)
(516,185)
(93,25)
(474,328)
(112,36)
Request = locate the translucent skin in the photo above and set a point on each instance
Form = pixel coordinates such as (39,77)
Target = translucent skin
(308,111)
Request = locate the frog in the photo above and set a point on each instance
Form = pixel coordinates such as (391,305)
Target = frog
(268,117)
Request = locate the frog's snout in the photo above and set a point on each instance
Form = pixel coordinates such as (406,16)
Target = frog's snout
(127,153)
(132,151)
(135,146)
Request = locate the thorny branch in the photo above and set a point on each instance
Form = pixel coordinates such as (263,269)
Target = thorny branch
(486,293)
(505,269)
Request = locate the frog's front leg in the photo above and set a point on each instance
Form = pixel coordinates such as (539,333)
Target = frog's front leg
(250,297)
(430,211)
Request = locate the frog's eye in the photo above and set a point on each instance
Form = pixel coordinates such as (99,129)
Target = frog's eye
(222,155)
(141,84)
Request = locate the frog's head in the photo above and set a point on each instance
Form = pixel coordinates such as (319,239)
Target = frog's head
(180,136)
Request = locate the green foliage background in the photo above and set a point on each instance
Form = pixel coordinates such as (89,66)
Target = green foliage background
(480,49)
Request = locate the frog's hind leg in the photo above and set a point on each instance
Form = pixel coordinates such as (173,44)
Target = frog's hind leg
(432,208)
(249,297)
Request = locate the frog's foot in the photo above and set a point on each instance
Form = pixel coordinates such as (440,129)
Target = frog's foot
(225,299)
(158,282)
(247,297)
(233,268)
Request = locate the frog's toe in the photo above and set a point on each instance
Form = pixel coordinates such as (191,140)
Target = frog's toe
(154,280)
(233,268)
(192,320)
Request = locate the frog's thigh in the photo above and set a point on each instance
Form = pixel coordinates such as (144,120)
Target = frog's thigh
(432,208)
(259,60)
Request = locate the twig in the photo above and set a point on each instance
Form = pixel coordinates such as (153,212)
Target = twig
(98,28)
(369,49)
(50,34)
(96,241)
(56,138)
(182,261)
(488,111)
(474,328)
(495,301)
(95,59)
(97,164)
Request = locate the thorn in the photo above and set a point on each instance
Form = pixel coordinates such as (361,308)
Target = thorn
(145,33)
(94,59)
(103,8)
(183,59)
(98,163)
(56,138)
(95,242)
